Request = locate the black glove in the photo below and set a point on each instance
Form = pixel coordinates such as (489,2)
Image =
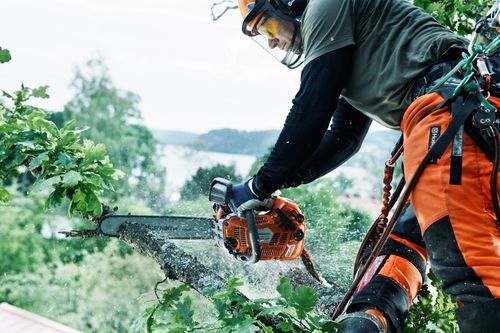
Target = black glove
(244,199)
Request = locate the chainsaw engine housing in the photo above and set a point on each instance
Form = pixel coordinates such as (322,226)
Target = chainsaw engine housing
(281,231)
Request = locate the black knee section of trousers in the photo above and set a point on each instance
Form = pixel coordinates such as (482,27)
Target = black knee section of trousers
(407,227)
(388,297)
(357,325)
(480,317)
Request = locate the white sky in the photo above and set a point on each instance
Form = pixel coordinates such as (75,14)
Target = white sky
(192,73)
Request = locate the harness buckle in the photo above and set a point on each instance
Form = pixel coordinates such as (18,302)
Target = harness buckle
(483,117)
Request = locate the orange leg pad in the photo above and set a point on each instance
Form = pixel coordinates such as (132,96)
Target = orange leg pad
(404,273)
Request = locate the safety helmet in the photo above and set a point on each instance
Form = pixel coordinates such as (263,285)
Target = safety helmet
(264,20)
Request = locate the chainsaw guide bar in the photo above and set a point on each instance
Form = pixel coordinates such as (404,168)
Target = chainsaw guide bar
(175,227)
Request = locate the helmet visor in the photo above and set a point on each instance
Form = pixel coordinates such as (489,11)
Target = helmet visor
(276,33)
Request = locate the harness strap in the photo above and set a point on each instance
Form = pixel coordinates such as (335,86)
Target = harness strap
(462,108)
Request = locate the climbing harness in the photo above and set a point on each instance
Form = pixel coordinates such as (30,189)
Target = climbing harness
(467,99)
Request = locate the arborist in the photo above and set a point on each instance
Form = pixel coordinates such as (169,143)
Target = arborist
(382,60)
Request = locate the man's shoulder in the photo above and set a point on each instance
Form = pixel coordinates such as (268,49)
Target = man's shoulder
(325,7)
(326,26)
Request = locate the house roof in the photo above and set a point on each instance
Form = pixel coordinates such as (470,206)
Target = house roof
(16,320)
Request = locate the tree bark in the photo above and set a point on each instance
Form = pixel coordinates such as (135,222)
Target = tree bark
(181,266)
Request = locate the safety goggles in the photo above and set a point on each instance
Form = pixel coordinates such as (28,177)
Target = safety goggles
(268,27)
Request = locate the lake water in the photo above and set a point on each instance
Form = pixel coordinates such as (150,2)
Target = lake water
(182,163)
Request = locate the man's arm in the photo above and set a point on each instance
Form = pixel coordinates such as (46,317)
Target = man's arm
(322,81)
(344,138)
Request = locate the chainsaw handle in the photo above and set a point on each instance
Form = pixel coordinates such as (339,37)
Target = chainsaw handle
(220,193)
(253,237)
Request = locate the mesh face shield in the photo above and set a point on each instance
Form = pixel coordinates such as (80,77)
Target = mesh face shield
(275,32)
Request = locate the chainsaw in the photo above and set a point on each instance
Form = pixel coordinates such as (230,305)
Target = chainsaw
(277,233)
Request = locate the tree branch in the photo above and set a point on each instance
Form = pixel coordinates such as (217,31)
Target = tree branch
(229,4)
(181,266)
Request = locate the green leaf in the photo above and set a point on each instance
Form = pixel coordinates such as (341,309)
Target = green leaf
(79,200)
(4,195)
(11,128)
(94,152)
(172,295)
(72,178)
(314,321)
(55,198)
(37,161)
(285,288)
(148,311)
(330,326)
(304,299)
(4,56)
(64,159)
(68,138)
(264,327)
(270,311)
(43,184)
(93,203)
(47,125)
(94,179)
(18,159)
(150,321)
(183,313)
(233,283)
(285,326)
(247,327)
(40,92)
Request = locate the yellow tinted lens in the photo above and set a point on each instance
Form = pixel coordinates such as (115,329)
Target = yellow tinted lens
(268,27)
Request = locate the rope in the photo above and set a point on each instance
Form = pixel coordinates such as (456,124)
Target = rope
(373,234)
(388,202)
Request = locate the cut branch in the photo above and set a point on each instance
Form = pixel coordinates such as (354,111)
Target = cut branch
(181,266)
(176,263)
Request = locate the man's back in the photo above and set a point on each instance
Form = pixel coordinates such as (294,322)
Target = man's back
(395,43)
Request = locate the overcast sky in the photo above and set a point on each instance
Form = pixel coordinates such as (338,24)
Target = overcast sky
(192,74)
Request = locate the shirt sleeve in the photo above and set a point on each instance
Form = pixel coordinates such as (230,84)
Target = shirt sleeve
(322,81)
(327,26)
(344,138)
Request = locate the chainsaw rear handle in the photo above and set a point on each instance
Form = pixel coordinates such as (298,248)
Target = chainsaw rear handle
(220,193)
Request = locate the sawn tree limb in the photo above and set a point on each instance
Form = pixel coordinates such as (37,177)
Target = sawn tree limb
(181,266)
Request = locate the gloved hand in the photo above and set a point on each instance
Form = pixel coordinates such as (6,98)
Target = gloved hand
(244,198)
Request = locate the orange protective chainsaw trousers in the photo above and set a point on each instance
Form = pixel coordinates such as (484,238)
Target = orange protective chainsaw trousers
(450,220)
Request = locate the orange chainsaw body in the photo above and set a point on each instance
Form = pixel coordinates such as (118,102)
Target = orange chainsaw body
(281,231)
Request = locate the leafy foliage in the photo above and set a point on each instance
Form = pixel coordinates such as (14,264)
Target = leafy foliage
(293,311)
(4,56)
(199,184)
(79,282)
(434,312)
(458,15)
(63,164)
(104,292)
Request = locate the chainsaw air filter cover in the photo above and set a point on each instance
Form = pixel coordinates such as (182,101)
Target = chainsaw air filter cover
(281,231)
